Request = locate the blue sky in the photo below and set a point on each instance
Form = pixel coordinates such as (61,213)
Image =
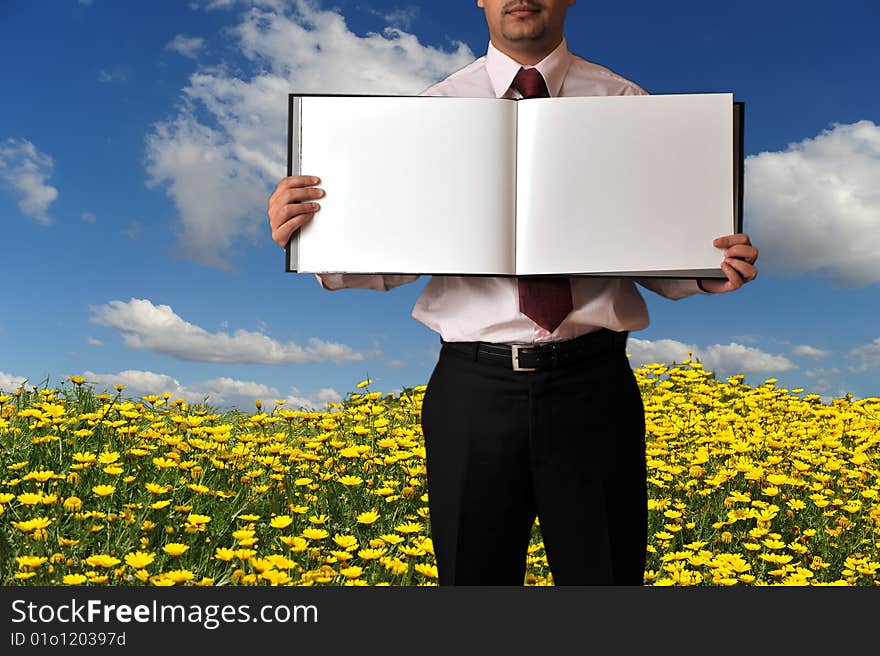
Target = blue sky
(140,140)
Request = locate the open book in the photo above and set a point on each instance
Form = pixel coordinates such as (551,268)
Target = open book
(599,185)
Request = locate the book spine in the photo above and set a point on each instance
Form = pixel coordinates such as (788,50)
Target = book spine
(294,159)
(739,112)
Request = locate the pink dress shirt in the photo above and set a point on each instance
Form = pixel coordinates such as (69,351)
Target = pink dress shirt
(464,309)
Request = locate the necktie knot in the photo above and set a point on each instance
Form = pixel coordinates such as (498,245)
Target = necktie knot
(530,83)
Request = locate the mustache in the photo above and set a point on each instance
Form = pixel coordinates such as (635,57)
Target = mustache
(521,5)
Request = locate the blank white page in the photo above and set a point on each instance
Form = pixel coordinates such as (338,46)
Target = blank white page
(624,183)
(413,185)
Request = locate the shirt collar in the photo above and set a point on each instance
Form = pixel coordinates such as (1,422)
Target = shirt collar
(502,69)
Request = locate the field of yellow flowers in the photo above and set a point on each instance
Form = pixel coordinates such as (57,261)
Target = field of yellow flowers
(747,486)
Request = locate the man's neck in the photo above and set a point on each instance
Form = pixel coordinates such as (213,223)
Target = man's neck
(524,56)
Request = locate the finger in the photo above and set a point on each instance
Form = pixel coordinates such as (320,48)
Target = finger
(282,234)
(743,252)
(281,215)
(296,181)
(734,280)
(731,240)
(299,195)
(745,270)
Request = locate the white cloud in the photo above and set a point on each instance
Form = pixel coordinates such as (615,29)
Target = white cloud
(10,383)
(93,341)
(188,46)
(402,18)
(133,231)
(157,328)
(222,392)
(736,358)
(810,351)
(25,170)
(815,207)
(224,151)
(731,358)
(137,383)
(816,373)
(867,357)
(118,74)
(210,5)
(324,395)
(89,217)
(643,351)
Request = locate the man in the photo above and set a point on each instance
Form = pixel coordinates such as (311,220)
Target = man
(563,439)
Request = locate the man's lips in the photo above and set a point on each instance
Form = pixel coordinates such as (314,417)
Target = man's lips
(522,11)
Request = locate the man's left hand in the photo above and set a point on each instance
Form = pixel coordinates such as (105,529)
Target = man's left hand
(738,265)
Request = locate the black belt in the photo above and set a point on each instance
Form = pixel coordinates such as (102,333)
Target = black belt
(528,357)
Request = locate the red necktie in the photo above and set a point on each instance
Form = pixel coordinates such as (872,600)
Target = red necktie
(546,301)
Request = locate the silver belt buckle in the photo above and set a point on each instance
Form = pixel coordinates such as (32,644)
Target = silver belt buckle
(514,353)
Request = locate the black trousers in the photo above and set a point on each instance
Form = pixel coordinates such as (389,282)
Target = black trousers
(565,444)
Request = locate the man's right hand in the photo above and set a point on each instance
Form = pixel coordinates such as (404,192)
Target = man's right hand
(291,206)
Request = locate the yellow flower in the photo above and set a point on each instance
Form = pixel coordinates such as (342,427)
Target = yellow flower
(429,571)
(368,517)
(35,524)
(103,490)
(85,458)
(224,554)
(295,543)
(72,504)
(314,533)
(102,560)
(30,562)
(245,554)
(175,549)
(347,542)
(774,544)
(281,522)
(350,481)
(371,554)
(139,559)
(73,579)
(274,577)
(108,458)
(280,562)
(162,581)
(179,575)
(351,572)
(30,499)
(391,538)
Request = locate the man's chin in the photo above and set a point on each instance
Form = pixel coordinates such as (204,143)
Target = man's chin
(524,33)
